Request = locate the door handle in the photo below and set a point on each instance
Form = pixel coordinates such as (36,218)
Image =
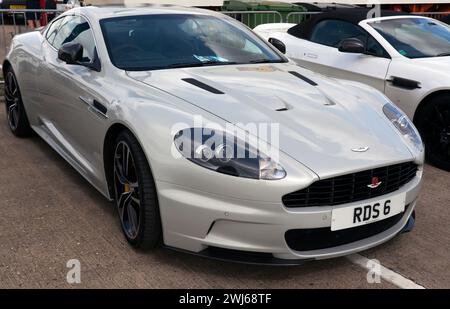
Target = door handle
(95,106)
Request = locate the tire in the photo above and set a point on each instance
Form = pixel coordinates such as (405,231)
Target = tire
(17,117)
(433,123)
(135,194)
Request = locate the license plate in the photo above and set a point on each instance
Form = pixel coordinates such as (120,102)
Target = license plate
(351,216)
(17,7)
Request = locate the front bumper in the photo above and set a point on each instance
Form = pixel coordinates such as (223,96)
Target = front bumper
(205,224)
(260,258)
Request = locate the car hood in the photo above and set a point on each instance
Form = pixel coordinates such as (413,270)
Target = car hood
(318,125)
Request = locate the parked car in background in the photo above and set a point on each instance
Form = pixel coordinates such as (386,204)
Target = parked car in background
(406,57)
(13,4)
(119,93)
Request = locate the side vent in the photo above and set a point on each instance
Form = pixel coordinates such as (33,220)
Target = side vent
(100,107)
(303,78)
(404,83)
(201,85)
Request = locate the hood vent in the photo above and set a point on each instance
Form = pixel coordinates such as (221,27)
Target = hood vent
(303,78)
(283,109)
(201,85)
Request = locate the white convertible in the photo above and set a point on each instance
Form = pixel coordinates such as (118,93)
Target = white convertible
(406,57)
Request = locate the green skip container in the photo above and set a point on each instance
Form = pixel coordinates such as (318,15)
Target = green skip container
(254,13)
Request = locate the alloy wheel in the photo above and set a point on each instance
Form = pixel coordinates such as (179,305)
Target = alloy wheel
(127,190)
(12,96)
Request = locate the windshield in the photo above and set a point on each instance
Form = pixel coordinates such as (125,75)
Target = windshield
(416,37)
(150,42)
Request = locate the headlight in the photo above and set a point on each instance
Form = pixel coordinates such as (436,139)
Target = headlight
(226,154)
(403,125)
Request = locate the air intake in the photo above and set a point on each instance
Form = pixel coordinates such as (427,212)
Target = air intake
(352,187)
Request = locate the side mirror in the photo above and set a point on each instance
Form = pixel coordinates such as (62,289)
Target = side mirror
(71,53)
(352,45)
(278,45)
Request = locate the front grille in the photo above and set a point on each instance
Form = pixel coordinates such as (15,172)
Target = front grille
(323,238)
(352,187)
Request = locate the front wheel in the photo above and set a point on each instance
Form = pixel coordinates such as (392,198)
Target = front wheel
(135,194)
(433,124)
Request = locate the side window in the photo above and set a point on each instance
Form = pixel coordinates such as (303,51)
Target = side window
(374,48)
(53,30)
(76,29)
(331,32)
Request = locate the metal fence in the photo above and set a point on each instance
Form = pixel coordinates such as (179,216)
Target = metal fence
(298,17)
(14,22)
(255,18)
(435,15)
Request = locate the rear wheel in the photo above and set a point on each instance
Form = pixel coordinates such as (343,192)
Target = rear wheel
(135,194)
(15,111)
(433,124)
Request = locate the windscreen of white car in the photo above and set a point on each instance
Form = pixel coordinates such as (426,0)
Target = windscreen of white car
(152,42)
(416,37)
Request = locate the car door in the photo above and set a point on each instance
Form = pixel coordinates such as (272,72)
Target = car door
(75,114)
(321,54)
(45,80)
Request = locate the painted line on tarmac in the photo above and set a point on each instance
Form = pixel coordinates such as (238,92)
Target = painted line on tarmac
(385,273)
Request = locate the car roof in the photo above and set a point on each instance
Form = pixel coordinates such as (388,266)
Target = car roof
(351,15)
(101,12)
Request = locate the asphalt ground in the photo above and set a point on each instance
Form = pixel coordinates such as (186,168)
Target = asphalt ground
(51,215)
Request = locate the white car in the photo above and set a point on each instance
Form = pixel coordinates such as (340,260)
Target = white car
(163,110)
(70,4)
(405,57)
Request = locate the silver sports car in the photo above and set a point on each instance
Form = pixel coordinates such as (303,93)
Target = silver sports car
(211,141)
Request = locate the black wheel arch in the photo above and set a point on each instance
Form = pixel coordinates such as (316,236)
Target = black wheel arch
(108,150)
(426,100)
(5,66)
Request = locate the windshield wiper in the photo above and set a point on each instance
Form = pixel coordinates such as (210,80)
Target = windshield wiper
(264,61)
(197,64)
(443,54)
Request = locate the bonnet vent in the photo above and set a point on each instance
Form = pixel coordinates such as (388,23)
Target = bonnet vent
(303,78)
(201,85)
